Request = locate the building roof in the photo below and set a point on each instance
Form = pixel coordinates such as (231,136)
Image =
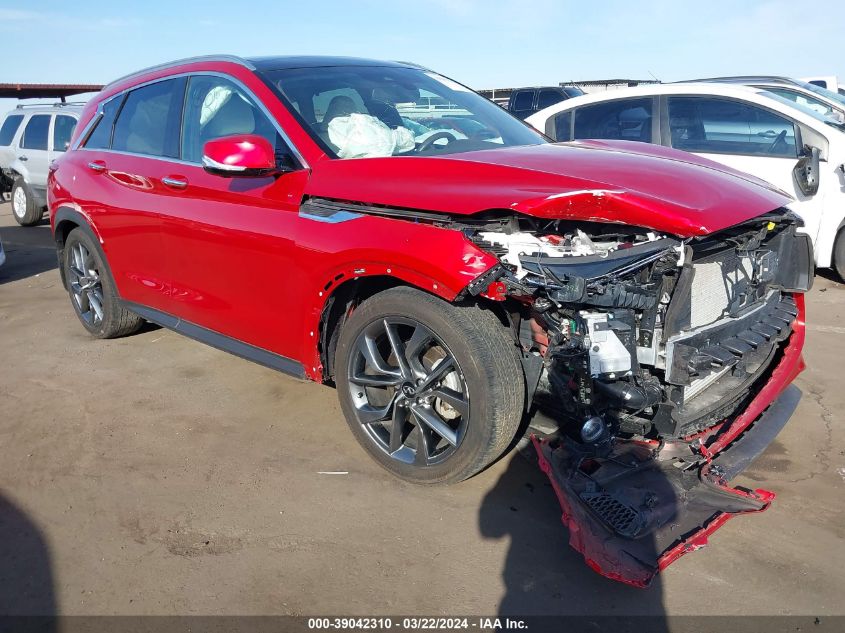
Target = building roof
(45,91)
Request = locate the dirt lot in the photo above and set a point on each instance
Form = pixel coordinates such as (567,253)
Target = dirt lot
(153,474)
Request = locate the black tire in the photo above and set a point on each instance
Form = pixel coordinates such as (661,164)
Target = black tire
(94,287)
(25,209)
(487,376)
(839,254)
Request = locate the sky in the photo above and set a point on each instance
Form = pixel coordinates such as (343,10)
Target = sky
(482,43)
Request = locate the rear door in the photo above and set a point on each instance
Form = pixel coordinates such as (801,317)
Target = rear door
(63,126)
(747,137)
(33,151)
(119,170)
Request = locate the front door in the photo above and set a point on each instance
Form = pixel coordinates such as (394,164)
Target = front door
(748,138)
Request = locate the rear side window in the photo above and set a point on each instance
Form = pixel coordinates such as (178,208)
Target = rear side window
(621,119)
(10,127)
(62,131)
(724,126)
(100,137)
(562,126)
(35,132)
(549,97)
(148,123)
(524,100)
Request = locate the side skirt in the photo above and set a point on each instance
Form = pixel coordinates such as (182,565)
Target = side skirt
(220,341)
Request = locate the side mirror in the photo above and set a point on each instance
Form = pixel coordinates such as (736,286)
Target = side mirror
(244,155)
(806,171)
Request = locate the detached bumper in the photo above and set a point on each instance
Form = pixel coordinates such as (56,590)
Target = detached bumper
(637,510)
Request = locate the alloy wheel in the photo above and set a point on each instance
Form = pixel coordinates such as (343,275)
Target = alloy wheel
(85,284)
(408,392)
(19,202)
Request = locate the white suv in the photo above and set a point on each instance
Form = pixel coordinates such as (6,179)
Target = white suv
(752,130)
(30,138)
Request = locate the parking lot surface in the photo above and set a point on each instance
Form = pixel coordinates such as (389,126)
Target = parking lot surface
(155,475)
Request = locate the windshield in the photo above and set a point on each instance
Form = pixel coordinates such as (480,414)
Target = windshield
(823,92)
(370,111)
(805,109)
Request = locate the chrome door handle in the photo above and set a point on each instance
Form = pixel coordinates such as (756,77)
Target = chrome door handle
(95,166)
(175,183)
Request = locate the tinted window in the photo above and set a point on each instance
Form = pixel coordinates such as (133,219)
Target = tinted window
(721,126)
(562,127)
(148,123)
(10,126)
(524,100)
(549,97)
(100,137)
(217,107)
(803,99)
(62,131)
(35,132)
(622,119)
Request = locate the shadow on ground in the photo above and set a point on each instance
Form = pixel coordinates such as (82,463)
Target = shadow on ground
(26,578)
(29,251)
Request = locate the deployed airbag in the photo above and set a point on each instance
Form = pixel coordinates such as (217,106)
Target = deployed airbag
(364,136)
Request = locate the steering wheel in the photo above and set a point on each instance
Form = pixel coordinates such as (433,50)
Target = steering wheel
(435,137)
(779,139)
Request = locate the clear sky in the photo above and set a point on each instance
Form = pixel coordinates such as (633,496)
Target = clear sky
(483,43)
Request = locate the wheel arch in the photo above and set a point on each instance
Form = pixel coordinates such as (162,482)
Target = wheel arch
(64,221)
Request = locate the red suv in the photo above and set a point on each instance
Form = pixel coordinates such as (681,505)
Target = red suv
(381,228)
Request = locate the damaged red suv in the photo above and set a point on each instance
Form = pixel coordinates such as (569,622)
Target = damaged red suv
(383,229)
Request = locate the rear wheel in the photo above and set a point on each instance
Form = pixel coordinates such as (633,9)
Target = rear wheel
(433,391)
(25,208)
(839,254)
(92,291)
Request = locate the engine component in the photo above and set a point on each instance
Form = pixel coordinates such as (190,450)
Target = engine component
(631,396)
(608,355)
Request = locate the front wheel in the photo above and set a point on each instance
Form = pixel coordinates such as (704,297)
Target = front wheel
(92,290)
(839,254)
(433,391)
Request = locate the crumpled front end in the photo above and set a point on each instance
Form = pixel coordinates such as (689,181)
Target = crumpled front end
(665,364)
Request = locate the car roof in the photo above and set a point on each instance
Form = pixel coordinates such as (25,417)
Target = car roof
(748,93)
(47,108)
(282,62)
(746,79)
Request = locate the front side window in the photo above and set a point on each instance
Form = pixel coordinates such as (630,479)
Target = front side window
(35,132)
(371,111)
(549,97)
(148,123)
(620,119)
(216,107)
(10,127)
(62,131)
(725,126)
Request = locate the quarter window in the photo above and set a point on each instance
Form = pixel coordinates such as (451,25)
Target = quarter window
(148,123)
(100,136)
(62,131)
(562,126)
(216,107)
(621,119)
(724,126)
(10,127)
(35,132)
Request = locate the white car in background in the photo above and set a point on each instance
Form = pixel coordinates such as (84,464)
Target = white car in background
(793,147)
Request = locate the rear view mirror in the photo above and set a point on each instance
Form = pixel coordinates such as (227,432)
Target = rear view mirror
(806,171)
(244,155)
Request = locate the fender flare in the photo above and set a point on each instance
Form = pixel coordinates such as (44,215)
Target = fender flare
(76,217)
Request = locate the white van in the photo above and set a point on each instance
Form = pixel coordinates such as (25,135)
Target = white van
(752,130)
(31,137)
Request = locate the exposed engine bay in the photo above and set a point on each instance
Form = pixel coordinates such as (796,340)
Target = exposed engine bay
(653,349)
(646,335)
